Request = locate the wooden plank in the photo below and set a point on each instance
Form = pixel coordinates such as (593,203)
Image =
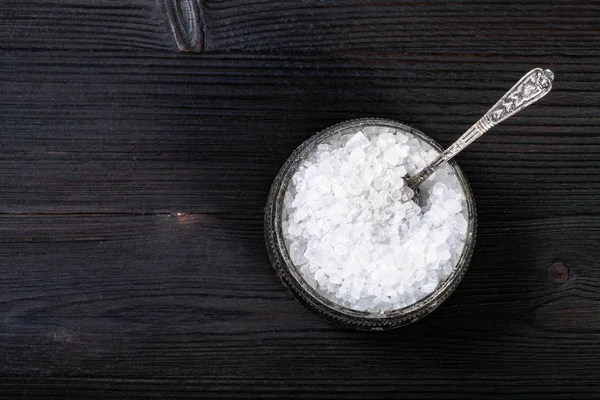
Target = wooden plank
(442,27)
(561,387)
(85,25)
(194,295)
(520,28)
(145,132)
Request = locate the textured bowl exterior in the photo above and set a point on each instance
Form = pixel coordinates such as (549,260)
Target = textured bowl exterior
(304,293)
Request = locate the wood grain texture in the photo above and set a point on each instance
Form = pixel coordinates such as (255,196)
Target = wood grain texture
(447,26)
(86,25)
(181,142)
(185,19)
(134,179)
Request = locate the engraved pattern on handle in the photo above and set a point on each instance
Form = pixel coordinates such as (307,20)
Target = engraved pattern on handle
(530,88)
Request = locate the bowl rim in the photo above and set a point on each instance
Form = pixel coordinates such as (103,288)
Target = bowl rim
(305,293)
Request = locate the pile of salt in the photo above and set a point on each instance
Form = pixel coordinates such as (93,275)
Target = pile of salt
(353,231)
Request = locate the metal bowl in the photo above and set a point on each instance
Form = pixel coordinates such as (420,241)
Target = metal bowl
(305,293)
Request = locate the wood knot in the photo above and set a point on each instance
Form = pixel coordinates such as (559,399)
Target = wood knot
(558,273)
(186,24)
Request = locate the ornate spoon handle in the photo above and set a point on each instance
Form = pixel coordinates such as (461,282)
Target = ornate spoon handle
(532,87)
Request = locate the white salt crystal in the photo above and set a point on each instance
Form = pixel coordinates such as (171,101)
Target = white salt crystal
(430,282)
(357,156)
(354,232)
(438,189)
(460,222)
(409,299)
(369,130)
(288,198)
(357,141)
(319,274)
(420,274)
(440,235)
(401,138)
(392,155)
(294,230)
(381,142)
(401,172)
(297,250)
(326,168)
(340,249)
(300,215)
(453,206)
(403,151)
(368,176)
(431,255)
(444,255)
(345,168)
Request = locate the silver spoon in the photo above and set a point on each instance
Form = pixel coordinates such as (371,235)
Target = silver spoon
(533,86)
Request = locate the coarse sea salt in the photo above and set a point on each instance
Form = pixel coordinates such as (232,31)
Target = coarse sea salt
(353,231)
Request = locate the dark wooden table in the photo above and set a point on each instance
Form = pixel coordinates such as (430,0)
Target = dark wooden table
(133,178)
